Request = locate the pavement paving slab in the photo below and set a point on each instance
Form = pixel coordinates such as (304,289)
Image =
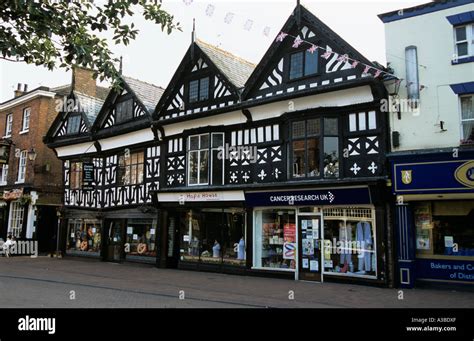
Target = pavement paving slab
(75,282)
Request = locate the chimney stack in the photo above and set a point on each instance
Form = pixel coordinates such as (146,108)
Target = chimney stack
(83,82)
(25,87)
(18,91)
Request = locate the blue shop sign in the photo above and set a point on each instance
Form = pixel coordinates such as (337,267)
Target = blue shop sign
(440,269)
(453,176)
(334,196)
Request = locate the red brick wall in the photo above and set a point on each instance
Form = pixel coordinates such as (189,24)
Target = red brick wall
(43,112)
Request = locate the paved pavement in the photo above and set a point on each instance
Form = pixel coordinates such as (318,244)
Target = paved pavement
(81,283)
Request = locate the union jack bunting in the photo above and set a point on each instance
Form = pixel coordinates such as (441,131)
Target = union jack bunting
(312,49)
(281,36)
(366,70)
(377,73)
(326,54)
(354,64)
(343,58)
(298,41)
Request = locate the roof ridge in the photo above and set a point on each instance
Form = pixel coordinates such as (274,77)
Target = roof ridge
(230,54)
(85,95)
(139,80)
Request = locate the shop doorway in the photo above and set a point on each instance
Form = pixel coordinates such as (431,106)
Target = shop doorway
(309,248)
(115,236)
(172,245)
(46,229)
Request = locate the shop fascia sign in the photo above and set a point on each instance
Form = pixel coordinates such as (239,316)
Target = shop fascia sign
(445,176)
(206,196)
(182,198)
(14,194)
(333,196)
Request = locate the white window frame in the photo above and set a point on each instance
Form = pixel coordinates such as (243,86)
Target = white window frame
(22,160)
(15,219)
(199,150)
(25,124)
(4,175)
(461,120)
(211,158)
(469,40)
(9,125)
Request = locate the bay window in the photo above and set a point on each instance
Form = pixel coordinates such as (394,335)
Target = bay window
(130,169)
(205,154)
(315,145)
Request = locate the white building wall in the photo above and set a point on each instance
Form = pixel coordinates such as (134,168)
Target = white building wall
(433,36)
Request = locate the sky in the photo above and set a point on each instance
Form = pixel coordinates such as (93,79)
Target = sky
(154,56)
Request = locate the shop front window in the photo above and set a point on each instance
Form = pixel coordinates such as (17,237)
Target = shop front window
(444,228)
(84,236)
(273,228)
(213,236)
(349,242)
(141,237)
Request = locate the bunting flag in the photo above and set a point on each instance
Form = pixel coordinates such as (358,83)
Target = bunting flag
(340,57)
(281,36)
(313,48)
(298,41)
(343,58)
(326,54)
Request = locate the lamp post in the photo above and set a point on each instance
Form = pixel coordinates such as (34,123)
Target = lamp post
(32,154)
(58,214)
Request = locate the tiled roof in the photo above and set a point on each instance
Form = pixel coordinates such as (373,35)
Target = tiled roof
(65,90)
(236,69)
(148,94)
(90,105)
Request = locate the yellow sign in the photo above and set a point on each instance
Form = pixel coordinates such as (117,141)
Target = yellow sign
(406,177)
(464,174)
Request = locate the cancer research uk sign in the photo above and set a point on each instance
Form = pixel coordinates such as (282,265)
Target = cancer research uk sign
(335,196)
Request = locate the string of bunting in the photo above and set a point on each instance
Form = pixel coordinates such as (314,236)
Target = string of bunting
(340,57)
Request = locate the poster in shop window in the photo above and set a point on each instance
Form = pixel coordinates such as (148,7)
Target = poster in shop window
(423,217)
(289,233)
(289,250)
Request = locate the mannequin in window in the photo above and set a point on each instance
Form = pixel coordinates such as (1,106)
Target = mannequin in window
(241,249)
(345,238)
(216,249)
(364,240)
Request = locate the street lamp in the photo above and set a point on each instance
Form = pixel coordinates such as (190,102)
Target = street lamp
(4,150)
(32,154)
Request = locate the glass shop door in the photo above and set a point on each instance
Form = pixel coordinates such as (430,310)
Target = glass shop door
(115,234)
(309,248)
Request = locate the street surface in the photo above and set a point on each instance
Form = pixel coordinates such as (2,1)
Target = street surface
(82,283)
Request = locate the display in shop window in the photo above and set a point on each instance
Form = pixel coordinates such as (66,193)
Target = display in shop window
(349,246)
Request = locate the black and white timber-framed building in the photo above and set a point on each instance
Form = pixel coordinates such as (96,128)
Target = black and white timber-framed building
(273,169)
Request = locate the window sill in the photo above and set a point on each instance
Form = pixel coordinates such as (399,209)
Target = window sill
(19,182)
(23,132)
(7,136)
(463,60)
(3,183)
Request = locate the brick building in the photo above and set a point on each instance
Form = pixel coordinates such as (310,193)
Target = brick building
(30,173)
